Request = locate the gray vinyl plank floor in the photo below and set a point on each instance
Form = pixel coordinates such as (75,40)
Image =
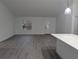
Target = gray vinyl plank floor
(26,46)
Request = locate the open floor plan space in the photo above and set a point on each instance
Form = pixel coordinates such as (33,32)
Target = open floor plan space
(38,29)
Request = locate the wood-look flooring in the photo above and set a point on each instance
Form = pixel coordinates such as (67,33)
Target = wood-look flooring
(26,46)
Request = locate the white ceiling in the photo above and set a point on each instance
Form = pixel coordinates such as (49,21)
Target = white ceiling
(35,8)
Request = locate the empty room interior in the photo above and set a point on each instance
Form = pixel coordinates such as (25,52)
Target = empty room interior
(38,29)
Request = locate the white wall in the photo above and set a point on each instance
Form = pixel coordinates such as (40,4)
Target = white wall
(38,25)
(75,17)
(68,23)
(6,22)
(75,28)
(64,23)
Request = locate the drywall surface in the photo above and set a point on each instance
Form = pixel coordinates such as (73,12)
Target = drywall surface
(75,28)
(64,23)
(66,51)
(75,17)
(68,23)
(6,22)
(35,8)
(38,25)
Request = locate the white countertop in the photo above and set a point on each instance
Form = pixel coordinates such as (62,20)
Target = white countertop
(70,39)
